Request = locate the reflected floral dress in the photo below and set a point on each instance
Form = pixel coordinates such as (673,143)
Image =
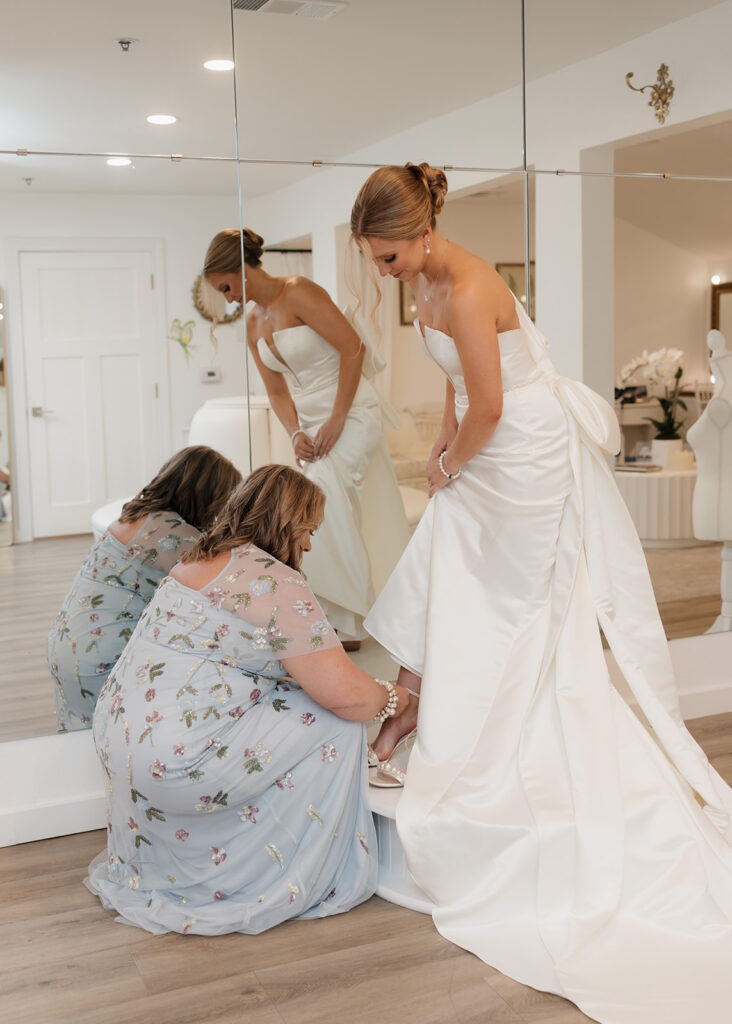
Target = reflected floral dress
(235,801)
(109,594)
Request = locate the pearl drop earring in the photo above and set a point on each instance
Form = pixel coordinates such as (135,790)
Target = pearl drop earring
(427,246)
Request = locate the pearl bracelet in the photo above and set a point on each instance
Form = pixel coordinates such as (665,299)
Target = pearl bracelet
(295,433)
(390,708)
(450,476)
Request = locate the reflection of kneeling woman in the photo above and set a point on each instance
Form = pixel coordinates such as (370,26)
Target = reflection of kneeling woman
(310,360)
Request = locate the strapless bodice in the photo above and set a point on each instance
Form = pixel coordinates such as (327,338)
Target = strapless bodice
(306,359)
(518,366)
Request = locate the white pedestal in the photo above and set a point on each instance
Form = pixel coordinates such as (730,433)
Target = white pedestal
(660,505)
(395,883)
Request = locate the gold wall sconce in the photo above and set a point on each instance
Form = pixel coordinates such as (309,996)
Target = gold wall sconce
(661,92)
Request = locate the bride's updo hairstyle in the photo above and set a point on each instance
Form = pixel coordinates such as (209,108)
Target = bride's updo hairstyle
(223,255)
(271,509)
(398,202)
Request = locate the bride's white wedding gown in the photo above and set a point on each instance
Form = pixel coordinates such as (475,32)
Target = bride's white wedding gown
(559,839)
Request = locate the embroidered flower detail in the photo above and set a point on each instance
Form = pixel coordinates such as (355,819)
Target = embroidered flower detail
(182,834)
(133,825)
(328,752)
(154,718)
(331,894)
(93,617)
(157,770)
(209,644)
(260,639)
(255,694)
(303,607)
(196,607)
(187,925)
(216,597)
(168,543)
(218,895)
(293,890)
(98,632)
(275,854)
(247,812)
(285,781)
(213,742)
(179,749)
(308,718)
(142,670)
(361,836)
(150,694)
(218,856)
(156,633)
(320,627)
(134,883)
(134,550)
(315,814)
(260,587)
(223,629)
(236,713)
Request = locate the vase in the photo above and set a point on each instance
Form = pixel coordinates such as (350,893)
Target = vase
(661,450)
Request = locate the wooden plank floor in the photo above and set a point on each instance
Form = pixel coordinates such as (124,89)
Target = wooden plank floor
(36,578)
(66,961)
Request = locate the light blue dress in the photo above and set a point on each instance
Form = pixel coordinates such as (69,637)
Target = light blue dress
(109,594)
(235,801)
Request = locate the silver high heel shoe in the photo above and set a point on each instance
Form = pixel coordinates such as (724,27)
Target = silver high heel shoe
(387,774)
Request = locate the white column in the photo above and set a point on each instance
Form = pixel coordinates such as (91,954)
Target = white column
(325,258)
(575,246)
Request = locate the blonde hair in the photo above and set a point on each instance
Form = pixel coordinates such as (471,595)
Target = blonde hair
(270,509)
(395,203)
(195,484)
(223,255)
(398,202)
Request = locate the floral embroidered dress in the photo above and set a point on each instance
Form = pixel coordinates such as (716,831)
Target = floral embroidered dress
(109,594)
(235,801)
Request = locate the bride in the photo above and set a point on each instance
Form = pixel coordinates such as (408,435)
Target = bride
(562,841)
(311,361)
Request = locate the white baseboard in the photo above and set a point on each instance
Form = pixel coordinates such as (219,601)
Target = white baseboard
(54,785)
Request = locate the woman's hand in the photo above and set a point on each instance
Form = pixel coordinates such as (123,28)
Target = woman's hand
(303,447)
(328,434)
(436,478)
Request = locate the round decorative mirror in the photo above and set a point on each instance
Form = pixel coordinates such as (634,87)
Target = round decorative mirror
(212,305)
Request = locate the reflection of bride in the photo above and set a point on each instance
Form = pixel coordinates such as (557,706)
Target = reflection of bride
(310,359)
(558,839)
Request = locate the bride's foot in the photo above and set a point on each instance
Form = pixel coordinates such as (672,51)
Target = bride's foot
(393,729)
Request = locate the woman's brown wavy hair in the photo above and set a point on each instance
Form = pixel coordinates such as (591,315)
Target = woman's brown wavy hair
(195,484)
(270,509)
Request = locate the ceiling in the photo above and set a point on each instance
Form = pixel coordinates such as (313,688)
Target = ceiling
(305,89)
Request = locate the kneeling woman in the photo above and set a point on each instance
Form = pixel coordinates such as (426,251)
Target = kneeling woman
(119,575)
(231,735)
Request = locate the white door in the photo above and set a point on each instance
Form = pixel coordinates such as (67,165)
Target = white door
(90,357)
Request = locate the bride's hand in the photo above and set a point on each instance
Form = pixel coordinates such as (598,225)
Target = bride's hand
(303,448)
(435,476)
(441,445)
(328,435)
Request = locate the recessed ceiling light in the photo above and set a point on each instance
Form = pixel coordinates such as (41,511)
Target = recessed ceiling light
(119,161)
(162,119)
(716,279)
(219,65)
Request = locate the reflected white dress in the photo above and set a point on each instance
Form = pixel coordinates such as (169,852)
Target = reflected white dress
(340,569)
(559,840)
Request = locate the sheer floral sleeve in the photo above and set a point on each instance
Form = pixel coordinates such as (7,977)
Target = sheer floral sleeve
(275,603)
(161,540)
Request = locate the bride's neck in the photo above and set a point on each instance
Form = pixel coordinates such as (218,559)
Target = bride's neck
(262,288)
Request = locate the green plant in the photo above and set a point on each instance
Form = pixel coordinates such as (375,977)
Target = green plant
(668,427)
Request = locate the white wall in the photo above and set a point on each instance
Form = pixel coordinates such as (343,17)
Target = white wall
(581,107)
(185,225)
(661,299)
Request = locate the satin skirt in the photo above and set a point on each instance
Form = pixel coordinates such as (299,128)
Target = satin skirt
(358,480)
(574,846)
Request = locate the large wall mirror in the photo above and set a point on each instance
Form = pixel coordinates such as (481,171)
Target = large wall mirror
(558,173)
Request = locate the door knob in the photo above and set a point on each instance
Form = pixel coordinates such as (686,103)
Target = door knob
(39,411)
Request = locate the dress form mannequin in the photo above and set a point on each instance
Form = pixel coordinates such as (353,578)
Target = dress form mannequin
(711,439)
